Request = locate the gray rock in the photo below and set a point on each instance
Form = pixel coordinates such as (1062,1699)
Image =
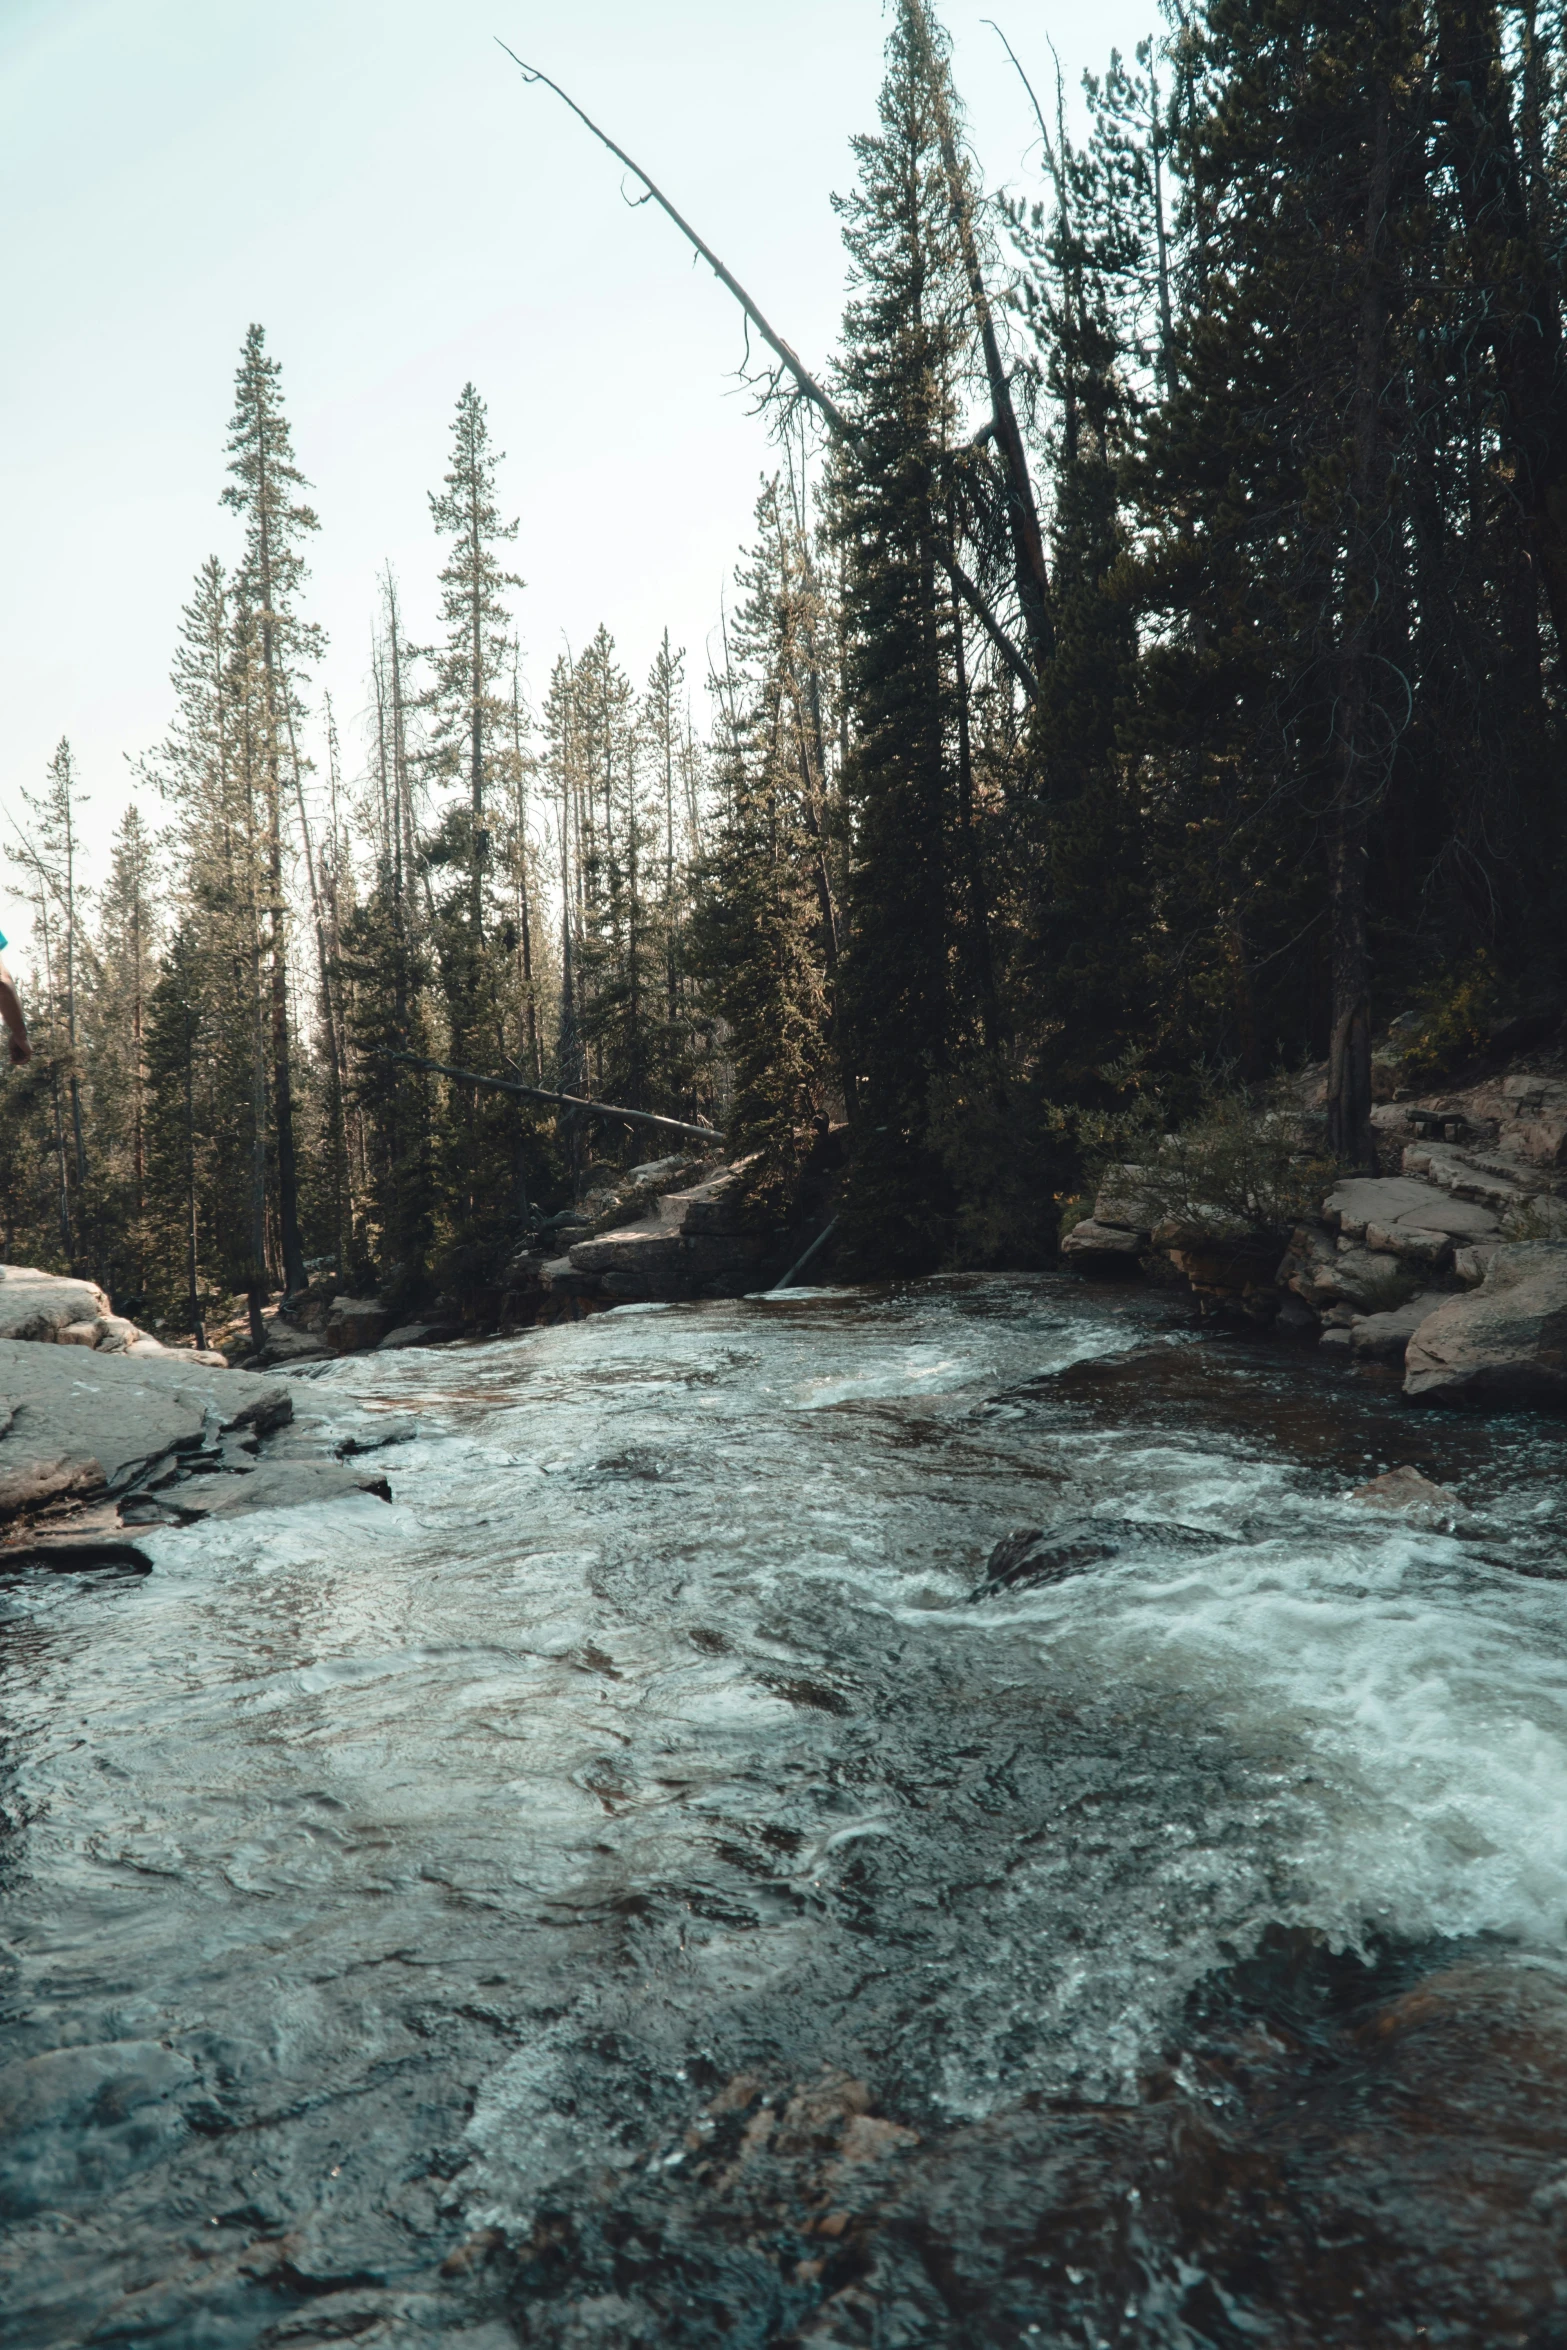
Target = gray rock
(1324,1274)
(1469,1264)
(287,1345)
(271,1485)
(35,1305)
(80,1426)
(1546,1143)
(651,1252)
(716,1207)
(1093,1239)
(1416,1247)
(1453,1171)
(1503,1343)
(1461,1219)
(424,1333)
(1383,1337)
(355,1323)
(1377,1199)
(1117,1202)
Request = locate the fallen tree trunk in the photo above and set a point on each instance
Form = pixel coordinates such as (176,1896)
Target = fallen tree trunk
(541,1093)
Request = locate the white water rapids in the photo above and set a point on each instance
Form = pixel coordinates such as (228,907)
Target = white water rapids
(411,1861)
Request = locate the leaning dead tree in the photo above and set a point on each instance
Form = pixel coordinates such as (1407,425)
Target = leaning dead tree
(541,1093)
(1028,544)
(843,428)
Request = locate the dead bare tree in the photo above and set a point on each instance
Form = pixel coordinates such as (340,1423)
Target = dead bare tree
(806,385)
(1028,546)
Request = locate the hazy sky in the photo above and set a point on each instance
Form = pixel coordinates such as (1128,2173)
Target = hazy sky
(378,187)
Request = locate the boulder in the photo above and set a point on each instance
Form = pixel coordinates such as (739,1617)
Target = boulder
(1327,1273)
(650,1253)
(35,1305)
(287,1345)
(1415,1497)
(1452,1171)
(74,1427)
(355,1323)
(419,1334)
(1092,1239)
(715,1207)
(1117,1202)
(1546,1143)
(1460,1219)
(1503,1343)
(1383,1337)
(116,1335)
(78,1334)
(1416,1246)
(1469,1264)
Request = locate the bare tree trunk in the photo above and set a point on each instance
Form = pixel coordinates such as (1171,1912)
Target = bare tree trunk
(329,1013)
(196,1321)
(983,958)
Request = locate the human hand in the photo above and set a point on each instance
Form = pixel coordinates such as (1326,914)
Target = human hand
(21,1050)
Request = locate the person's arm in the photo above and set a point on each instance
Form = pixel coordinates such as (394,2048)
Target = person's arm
(15,1020)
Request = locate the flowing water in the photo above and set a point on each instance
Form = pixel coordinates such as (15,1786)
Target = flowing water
(640,1888)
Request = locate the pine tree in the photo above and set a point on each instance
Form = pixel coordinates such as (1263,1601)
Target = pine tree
(49,851)
(902,337)
(760,932)
(263,492)
(125,960)
(471,714)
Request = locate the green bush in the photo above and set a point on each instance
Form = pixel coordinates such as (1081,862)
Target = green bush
(1455,1015)
(1246,1158)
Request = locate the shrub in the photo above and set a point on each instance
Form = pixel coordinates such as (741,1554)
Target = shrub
(1455,1017)
(1243,1159)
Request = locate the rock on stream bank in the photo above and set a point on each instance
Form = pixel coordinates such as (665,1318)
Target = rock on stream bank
(1455,1266)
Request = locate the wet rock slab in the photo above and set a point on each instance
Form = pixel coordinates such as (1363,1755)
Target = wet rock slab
(80,1424)
(1332,2159)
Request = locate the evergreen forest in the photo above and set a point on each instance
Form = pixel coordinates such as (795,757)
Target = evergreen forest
(1144,674)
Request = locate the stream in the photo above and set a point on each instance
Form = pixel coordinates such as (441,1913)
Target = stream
(642,1888)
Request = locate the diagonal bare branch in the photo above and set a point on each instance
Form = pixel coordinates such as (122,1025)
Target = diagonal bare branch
(806,384)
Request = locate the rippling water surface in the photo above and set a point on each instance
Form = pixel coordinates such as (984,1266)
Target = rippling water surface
(632,1891)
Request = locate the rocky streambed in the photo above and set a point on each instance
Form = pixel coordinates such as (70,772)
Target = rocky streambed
(976,1813)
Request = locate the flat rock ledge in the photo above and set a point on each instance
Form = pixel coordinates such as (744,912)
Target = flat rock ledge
(1454,1269)
(93,1448)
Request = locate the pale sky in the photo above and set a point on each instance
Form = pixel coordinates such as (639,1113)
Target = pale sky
(375,183)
